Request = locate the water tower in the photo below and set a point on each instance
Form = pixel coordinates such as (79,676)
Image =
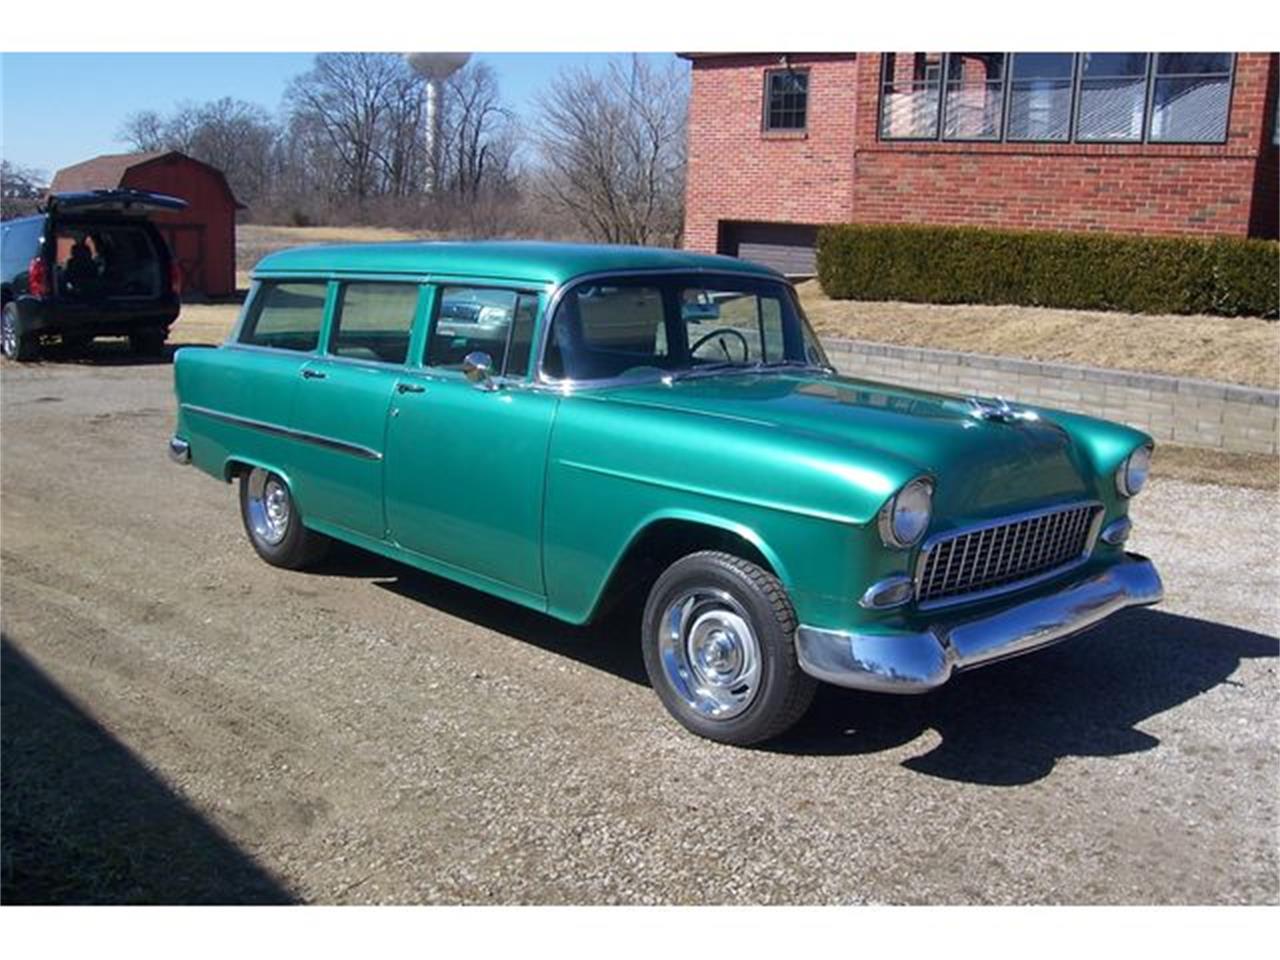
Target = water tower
(434,67)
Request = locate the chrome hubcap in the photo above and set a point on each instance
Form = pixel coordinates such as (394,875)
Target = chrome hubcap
(8,335)
(268,507)
(709,653)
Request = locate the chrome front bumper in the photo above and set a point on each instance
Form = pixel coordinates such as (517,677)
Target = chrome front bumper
(913,662)
(179,450)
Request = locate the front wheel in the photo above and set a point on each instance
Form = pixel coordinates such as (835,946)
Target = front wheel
(274,526)
(719,648)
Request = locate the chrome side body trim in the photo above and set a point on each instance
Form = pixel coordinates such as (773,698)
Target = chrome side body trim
(904,661)
(179,450)
(355,449)
(1090,541)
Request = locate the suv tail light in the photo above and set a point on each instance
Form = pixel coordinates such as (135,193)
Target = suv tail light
(175,278)
(37,277)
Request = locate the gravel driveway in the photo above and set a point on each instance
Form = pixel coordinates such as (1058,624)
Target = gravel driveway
(184,723)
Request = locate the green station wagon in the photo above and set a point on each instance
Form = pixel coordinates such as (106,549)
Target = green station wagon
(566,426)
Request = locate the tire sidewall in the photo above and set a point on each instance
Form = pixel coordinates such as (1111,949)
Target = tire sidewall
(291,551)
(775,638)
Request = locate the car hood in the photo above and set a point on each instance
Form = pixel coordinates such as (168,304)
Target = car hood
(982,466)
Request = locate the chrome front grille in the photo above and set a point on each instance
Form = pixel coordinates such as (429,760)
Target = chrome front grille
(999,555)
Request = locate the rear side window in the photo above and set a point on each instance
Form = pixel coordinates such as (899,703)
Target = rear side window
(373,321)
(496,322)
(286,316)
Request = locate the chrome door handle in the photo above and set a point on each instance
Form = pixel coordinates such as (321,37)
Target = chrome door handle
(313,375)
(410,388)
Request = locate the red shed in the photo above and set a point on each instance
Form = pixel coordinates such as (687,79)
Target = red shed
(202,237)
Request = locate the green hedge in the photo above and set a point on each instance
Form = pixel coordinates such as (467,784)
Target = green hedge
(1094,271)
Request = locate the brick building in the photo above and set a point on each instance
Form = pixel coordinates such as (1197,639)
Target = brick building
(1133,143)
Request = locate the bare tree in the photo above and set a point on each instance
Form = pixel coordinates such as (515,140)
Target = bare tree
(478,133)
(348,99)
(20,189)
(611,148)
(235,136)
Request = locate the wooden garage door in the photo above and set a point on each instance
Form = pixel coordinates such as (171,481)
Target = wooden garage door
(787,247)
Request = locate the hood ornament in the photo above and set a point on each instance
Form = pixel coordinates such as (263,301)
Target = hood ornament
(998,409)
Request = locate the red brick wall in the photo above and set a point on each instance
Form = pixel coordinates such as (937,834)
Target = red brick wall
(840,172)
(739,172)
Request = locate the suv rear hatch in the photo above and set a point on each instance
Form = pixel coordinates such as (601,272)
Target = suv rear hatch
(125,201)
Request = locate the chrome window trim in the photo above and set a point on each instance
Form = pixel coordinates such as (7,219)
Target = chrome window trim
(1091,539)
(558,293)
(355,449)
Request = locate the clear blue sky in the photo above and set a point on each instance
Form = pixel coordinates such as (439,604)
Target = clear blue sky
(60,108)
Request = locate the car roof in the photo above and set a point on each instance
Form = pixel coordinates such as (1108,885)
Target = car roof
(528,261)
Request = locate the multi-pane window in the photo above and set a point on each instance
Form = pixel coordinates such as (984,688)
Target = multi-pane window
(1113,96)
(974,96)
(1190,96)
(286,316)
(786,99)
(1056,97)
(912,88)
(1040,96)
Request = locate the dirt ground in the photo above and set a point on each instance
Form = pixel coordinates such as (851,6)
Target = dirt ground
(185,724)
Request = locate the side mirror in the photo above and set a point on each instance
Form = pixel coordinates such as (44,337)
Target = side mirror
(476,366)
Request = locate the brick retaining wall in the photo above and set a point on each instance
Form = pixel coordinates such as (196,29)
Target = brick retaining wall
(1200,413)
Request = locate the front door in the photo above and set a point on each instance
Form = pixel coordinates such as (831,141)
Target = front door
(466,462)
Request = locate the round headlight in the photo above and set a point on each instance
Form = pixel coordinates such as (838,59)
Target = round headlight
(905,518)
(1132,475)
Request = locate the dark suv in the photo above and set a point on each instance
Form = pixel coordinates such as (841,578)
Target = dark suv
(89,265)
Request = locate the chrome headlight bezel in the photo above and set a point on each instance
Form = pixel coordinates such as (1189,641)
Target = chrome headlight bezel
(1132,474)
(905,517)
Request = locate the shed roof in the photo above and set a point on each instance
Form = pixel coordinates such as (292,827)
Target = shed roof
(529,261)
(109,170)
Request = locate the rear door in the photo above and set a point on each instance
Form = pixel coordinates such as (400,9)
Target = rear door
(342,403)
(243,407)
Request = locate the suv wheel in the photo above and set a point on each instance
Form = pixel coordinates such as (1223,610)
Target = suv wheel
(16,343)
(274,526)
(148,341)
(719,648)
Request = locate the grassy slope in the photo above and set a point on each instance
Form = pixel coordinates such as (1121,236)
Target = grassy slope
(1232,349)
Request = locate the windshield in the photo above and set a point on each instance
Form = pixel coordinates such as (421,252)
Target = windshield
(677,325)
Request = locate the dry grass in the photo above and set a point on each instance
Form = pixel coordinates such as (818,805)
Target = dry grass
(1231,349)
(1202,465)
(254,241)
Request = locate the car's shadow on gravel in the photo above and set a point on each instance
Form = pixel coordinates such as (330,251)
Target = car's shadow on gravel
(1005,724)
(1009,723)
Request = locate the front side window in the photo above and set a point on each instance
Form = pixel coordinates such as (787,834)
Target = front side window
(483,320)
(1040,96)
(676,326)
(974,96)
(285,315)
(372,321)
(1190,97)
(786,99)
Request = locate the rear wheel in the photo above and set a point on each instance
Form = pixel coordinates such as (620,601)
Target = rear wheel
(274,526)
(719,648)
(148,341)
(16,343)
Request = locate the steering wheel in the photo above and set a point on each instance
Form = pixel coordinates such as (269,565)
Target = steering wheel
(746,347)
